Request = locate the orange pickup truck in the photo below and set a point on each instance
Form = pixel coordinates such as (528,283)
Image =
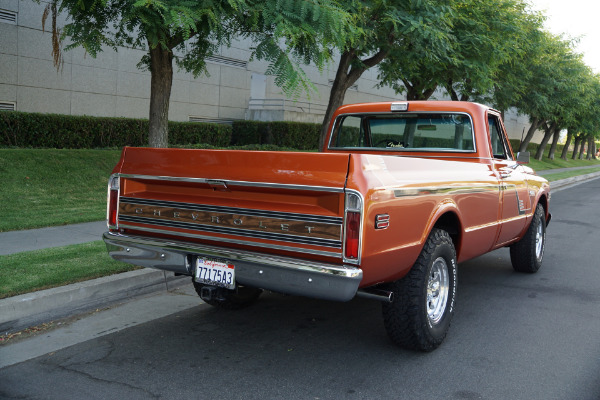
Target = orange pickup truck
(400,193)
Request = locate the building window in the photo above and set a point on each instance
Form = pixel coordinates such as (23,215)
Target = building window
(8,106)
(193,118)
(8,17)
(231,62)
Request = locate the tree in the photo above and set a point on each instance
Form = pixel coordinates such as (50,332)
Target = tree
(486,40)
(587,109)
(513,75)
(578,142)
(549,95)
(568,97)
(563,155)
(591,147)
(549,131)
(582,147)
(286,34)
(379,26)
(489,35)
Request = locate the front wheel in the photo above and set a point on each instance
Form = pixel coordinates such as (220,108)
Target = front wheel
(526,255)
(424,300)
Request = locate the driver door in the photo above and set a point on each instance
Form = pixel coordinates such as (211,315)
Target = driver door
(515,204)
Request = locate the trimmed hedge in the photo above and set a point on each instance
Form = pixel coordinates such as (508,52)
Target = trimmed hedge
(36,130)
(297,135)
(255,147)
(532,148)
(20,129)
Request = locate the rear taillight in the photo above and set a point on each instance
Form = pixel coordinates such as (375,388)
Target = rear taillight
(113,203)
(352,234)
(352,231)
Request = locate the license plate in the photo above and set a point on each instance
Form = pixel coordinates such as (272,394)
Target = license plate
(216,273)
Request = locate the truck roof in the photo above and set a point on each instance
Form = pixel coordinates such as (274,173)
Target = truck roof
(414,105)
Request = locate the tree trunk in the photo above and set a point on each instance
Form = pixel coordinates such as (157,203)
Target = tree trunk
(337,93)
(591,148)
(582,148)
(565,150)
(554,143)
(540,151)
(345,77)
(535,124)
(161,68)
(411,91)
(576,146)
(418,90)
(451,91)
(465,96)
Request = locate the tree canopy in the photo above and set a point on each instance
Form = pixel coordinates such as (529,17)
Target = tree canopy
(379,28)
(495,52)
(501,55)
(287,34)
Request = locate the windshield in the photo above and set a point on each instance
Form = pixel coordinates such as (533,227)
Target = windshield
(407,131)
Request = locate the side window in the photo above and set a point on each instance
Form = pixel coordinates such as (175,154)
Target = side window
(497,138)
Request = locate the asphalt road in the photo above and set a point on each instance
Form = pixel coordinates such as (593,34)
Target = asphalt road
(514,336)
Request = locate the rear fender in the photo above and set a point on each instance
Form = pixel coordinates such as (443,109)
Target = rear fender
(446,216)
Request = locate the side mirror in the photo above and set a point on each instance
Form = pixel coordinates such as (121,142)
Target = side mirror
(523,157)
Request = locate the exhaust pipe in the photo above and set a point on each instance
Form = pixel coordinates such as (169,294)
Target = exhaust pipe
(376,294)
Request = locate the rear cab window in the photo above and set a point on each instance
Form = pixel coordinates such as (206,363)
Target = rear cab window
(404,132)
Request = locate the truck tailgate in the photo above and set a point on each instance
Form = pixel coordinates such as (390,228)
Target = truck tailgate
(280,202)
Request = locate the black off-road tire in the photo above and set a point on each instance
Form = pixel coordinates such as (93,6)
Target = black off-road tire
(413,320)
(527,254)
(241,297)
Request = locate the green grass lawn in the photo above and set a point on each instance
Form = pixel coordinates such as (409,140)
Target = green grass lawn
(49,187)
(568,174)
(42,269)
(546,163)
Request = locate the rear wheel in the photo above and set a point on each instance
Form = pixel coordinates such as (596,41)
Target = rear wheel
(241,297)
(526,255)
(424,300)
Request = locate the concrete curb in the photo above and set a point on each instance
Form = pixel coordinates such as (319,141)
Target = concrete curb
(30,309)
(575,179)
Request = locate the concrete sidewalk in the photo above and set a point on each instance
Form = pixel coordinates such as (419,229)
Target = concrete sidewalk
(19,312)
(55,236)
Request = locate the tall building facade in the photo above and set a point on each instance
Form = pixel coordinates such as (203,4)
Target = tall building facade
(112,85)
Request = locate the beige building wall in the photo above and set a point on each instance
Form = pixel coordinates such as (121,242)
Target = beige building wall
(111,85)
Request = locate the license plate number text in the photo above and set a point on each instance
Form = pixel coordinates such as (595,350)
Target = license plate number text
(216,273)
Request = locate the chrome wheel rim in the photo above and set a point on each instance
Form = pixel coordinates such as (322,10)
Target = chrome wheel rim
(539,241)
(438,285)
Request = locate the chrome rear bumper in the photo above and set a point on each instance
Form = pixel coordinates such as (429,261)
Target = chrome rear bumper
(280,274)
